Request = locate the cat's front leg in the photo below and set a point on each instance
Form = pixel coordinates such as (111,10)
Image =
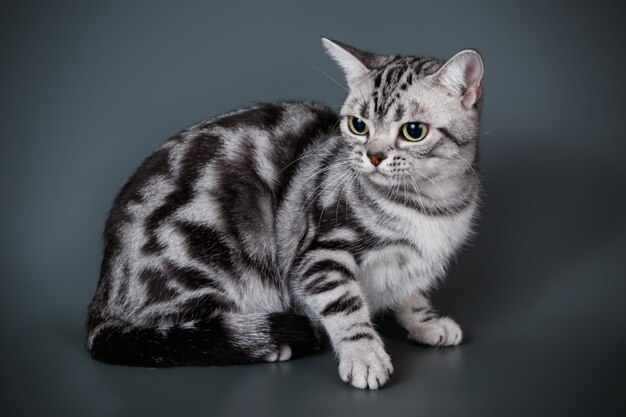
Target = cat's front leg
(424,325)
(327,286)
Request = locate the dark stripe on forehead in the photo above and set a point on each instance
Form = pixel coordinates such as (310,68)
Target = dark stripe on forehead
(378,79)
(418,67)
(399,72)
(375,99)
(427,66)
(399,113)
(392,77)
(431,66)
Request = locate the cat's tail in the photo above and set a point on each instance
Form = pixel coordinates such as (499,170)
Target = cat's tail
(227,338)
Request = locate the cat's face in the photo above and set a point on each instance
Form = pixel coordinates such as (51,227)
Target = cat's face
(410,119)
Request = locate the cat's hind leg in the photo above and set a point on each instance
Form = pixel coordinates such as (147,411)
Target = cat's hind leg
(425,326)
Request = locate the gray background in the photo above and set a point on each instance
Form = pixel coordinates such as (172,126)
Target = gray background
(88,90)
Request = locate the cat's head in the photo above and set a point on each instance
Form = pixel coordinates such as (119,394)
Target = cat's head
(410,118)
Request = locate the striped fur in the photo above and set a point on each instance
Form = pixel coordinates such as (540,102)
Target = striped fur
(244,235)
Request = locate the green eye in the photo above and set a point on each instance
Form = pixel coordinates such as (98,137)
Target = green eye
(357,126)
(414,131)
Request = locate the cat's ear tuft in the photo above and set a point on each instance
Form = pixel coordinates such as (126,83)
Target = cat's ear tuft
(354,62)
(462,75)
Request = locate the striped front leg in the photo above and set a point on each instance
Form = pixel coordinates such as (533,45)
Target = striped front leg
(424,325)
(328,287)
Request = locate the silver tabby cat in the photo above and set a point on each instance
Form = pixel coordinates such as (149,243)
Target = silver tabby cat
(246,237)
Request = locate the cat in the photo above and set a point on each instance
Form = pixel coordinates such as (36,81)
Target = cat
(249,236)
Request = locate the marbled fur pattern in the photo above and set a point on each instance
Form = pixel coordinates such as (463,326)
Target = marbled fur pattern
(245,234)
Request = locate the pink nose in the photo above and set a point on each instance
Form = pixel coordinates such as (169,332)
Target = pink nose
(376,158)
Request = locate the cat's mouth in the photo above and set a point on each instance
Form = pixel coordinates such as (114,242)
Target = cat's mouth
(384,178)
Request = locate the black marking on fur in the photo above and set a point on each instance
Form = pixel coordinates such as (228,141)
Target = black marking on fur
(321,285)
(450,136)
(428,316)
(155,164)
(432,66)
(418,67)
(357,337)
(190,278)
(206,244)
(345,304)
(327,265)
(378,79)
(156,286)
(375,98)
(200,151)
(209,342)
(293,144)
(333,245)
(392,79)
(206,305)
(294,330)
(399,113)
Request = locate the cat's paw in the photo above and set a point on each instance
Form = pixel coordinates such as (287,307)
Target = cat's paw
(439,332)
(365,365)
(283,353)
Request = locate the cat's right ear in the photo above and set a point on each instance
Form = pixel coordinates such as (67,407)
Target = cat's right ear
(462,76)
(354,62)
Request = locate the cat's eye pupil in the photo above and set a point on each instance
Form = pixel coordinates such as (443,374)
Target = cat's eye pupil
(414,129)
(359,125)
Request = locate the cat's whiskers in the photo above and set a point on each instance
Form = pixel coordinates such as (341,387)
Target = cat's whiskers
(321,192)
(417,191)
(406,195)
(471,168)
(346,183)
(397,191)
(303,157)
(324,169)
(429,179)
(342,178)
(391,194)
(313,196)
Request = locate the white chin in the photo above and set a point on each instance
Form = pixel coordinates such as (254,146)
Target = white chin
(380,178)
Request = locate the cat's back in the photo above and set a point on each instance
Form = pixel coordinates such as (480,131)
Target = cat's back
(253,145)
(259,140)
(220,179)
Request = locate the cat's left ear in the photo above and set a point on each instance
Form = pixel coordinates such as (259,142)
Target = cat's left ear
(462,75)
(353,61)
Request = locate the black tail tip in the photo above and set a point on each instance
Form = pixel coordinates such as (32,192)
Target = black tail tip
(295,330)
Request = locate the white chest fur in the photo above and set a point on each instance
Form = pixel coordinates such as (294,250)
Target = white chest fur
(392,274)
